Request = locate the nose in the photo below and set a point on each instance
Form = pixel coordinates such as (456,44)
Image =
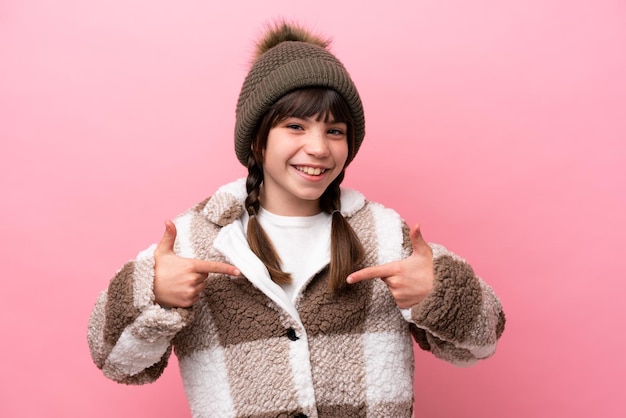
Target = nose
(316,143)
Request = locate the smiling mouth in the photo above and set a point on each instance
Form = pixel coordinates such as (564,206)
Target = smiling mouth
(311,171)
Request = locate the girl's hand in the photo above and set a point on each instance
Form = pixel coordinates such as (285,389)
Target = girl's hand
(178,281)
(409,280)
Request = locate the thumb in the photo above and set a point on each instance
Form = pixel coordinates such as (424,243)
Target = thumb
(417,240)
(169,237)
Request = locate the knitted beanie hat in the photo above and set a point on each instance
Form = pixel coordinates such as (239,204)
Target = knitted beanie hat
(289,58)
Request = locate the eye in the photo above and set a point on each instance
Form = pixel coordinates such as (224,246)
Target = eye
(294,126)
(336,132)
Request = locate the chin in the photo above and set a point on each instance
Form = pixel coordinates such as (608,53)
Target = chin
(311,196)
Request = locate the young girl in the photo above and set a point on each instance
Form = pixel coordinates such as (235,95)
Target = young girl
(283,294)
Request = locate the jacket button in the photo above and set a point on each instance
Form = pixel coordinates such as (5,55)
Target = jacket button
(291,334)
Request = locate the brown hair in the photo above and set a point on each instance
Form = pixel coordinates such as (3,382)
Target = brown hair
(346,251)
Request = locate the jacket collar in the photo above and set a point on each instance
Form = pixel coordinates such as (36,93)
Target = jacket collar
(227,203)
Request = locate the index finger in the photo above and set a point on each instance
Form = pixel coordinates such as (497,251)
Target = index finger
(205,266)
(373,272)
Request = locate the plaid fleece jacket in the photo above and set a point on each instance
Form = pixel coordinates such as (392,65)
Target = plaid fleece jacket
(244,350)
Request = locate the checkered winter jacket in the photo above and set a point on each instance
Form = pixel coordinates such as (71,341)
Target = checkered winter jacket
(245,350)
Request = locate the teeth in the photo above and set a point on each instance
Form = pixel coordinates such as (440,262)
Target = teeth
(311,171)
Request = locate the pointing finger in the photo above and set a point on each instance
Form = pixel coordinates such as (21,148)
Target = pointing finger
(373,272)
(204,266)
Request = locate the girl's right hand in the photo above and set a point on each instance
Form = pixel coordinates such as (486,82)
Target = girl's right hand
(178,281)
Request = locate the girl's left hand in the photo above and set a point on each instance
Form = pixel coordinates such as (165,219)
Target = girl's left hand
(409,280)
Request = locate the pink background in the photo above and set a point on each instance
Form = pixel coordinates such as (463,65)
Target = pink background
(500,126)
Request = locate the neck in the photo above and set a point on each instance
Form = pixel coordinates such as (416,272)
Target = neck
(289,207)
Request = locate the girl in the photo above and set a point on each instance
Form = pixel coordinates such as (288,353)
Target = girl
(283,294)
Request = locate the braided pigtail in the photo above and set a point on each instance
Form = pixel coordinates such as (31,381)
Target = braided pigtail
(346,250)
(258,240)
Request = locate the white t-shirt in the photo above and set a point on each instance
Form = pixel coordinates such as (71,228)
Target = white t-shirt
(302,243)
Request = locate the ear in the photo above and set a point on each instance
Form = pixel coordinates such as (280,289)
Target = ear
(258,155)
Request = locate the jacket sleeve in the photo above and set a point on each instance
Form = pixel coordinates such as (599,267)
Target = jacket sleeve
(462,319)
(129,335)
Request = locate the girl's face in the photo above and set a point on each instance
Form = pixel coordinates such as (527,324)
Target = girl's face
(301,158)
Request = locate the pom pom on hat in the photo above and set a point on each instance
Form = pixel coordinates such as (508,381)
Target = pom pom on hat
(288,58)
(285,32)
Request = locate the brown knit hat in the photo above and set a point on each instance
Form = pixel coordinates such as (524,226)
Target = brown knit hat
(289,58)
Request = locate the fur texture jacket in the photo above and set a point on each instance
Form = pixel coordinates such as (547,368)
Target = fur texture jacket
(245,350)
